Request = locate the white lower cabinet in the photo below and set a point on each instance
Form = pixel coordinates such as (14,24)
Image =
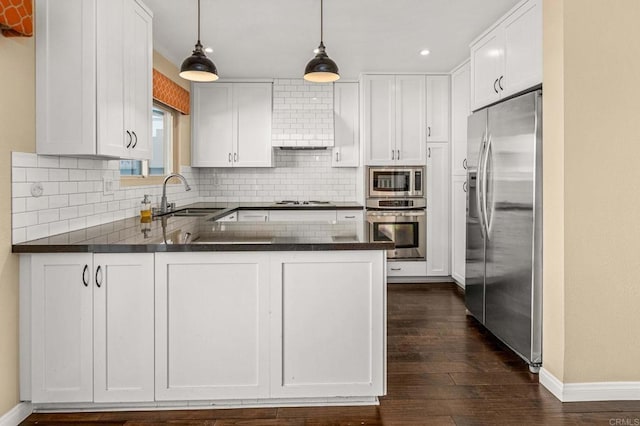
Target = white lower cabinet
(302,215)
(206,326)
(91,327)
(328,328)
(212,333)
(458,227)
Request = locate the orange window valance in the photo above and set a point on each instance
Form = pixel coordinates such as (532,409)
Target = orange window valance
(168,92)
(16,18)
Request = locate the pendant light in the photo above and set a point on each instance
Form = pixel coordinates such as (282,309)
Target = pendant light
(198,67)
(321,69)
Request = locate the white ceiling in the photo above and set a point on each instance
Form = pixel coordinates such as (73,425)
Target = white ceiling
(276,38)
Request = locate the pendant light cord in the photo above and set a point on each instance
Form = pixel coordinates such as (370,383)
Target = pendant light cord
(199,22)
(321,20)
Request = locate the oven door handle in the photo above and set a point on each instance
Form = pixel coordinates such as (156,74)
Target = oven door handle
(405,213)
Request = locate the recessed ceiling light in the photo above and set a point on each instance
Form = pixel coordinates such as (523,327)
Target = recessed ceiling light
(208,50)
(424,52)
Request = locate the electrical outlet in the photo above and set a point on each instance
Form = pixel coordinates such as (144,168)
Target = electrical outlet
(108,186)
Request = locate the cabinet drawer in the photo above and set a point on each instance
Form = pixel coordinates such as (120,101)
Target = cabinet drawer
(231,217)
(253,216)
(349,215)
(302,215)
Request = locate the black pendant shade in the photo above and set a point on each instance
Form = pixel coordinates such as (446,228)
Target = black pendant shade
(321,69)
(198,67)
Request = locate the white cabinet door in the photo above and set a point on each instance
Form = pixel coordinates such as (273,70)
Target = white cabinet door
(212,125)
(302,215)
(379,119)
(123,327)
(138,48)
(410,120)
(523,48)
(114,138)
(458,227)
(212,326)
(346,151)
(327,329)
(487,59)
(460,83)
(438,209)
(62,345)
(252,107)
(437,108)
(65,37)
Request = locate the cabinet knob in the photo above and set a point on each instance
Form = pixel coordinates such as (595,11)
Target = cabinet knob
(130,139)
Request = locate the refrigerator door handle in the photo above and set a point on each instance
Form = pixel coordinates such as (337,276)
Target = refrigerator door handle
(485,206)
(479,195)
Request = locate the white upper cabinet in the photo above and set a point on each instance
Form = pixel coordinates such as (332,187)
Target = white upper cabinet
(508,58)
(231,125)
(346,125)
(437,108)
(93,78)
(460,81)
(394,119)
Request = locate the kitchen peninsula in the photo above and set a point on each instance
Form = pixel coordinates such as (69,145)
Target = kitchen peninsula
(189,310)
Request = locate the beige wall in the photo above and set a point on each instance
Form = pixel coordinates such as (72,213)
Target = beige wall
(17,133)
(167,68)
(592,147)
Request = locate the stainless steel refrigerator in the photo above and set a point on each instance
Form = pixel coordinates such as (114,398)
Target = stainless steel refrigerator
(503,283)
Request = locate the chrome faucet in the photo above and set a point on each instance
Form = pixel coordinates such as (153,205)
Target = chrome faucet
(164,206)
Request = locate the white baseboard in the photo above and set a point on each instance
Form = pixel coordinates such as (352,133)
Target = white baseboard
(17,414)
(595,391)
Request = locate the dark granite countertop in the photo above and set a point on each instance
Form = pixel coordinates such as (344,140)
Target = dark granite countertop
(172,233)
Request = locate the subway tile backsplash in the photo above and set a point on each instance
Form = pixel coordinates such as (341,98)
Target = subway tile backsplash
(73,194)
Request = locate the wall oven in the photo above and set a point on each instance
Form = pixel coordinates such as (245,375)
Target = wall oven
(396,182)
(406,228)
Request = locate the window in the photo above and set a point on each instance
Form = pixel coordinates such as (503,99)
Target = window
(161,148)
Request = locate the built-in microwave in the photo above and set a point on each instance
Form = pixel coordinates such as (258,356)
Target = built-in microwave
(396,181)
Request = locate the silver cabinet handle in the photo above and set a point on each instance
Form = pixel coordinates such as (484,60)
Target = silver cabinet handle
(336,156)
(393,154)
(85,279)
(464,164)
(99,272)
(464,186)
(500,82)
(398,156)
(136,139)
(235,157)
(494,85)
(349,217)
(396,269)
(229,157)
(429,131)
(130,139)
(428,152)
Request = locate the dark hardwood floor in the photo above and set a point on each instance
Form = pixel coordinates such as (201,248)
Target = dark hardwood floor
(443,368)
